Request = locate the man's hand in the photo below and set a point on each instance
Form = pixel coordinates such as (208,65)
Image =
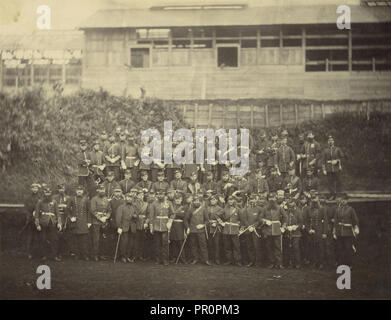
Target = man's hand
(59,227)
(39,228)
(73,219)
(251,229)
(325,172)
(89,225)
(356,230)
(214,224)
(145,225)
(119,230)
(282,230)
(188,231)
(324,236)
(199,226)
(268,222)
(334,236)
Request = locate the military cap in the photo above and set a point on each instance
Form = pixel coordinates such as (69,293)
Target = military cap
(128,194)
(272,194)
(310,169)
(103,132)
(197,197)
(253,196)
(310,135)
(128,170)
(110,173)
(79,187)
(178,196)
(47,189)
(133,189)
(96,141)
(83,141)
(177,170)
(231,197)
(209,173)
(37,185)
(143,172)
(111,138)
(214,196)
(160,191)
(117,189)
(329,137)
(284,132)
(160,173)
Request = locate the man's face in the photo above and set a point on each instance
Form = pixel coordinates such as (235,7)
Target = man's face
(178,201)
(160,178)
(79,192)
(160,196)
(284,141)
(309,173)
(129,198)
(196,203)
(34,189)
(110,178)
(83,147)
(331,142)
(231,202)
(213,201)
(291,173)
(303,201)
(101,192)
(96,147)
(61,190)
(225,177)
(193,178)
(280,196)
(122,137)
(171,194)
(117,194)
(47,193)
(144,177)
(209,177)
(103,136)
(178,175)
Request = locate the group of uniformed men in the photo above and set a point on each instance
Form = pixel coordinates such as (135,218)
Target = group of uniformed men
(198,213)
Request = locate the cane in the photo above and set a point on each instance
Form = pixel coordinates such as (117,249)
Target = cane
(180,252)
(116,248)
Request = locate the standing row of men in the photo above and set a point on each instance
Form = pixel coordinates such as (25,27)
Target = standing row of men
(213,222)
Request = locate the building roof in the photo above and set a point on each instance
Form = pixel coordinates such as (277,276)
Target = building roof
(314,14)
(43,40)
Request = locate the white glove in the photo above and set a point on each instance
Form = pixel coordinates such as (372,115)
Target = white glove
(268,223)
(73,219)
(324,236)
(282,230)
(59,227)
(223,224)
(168,225)
(325,172)
(88,225)
(39,228)
(214,224)
(356,230)
(145,225)
(289,228)
(103,219)
(251,229)
(199,226)
(119,230)
(334,236)
(311,231)
(188,231)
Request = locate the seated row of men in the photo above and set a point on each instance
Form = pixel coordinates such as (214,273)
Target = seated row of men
(275,156)
(261,229)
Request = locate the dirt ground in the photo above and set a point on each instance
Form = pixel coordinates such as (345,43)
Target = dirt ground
(144,280)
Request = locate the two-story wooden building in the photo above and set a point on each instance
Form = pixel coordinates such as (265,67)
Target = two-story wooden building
(237,51)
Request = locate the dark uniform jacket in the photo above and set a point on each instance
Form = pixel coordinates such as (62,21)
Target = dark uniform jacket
(114,204)
(100,207)
(159,213)
(312,151)
(144,185)
(29,205)
(126,185)
(79,208)
(277,216)
(232,218)
(274,183)
(179,185)
(294,218)
(284,156)
(316,220)
(194,217)
(126,217)
(310,183)
(329,154)
(113,152)
(345,219)
(214,215)
(63,207)
(259,186)
(46,211)
(295,184)
(178,227)
(109,187)
(209,185)
(162,186)
(82,165)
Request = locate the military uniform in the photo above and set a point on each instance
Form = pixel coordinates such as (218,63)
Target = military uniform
(195,221)
(316,226)
(64,240)
(47,218)
(285,159)
(98,166)
(79,210)
(292,237)
(159,213)
(177,234)
(113,157)
(215,230)
(331,163)
(126,220)
(126,185)
(160,185)
(32,236)
(110,186)
(83,164)
(272,219)
(259,185)
(179,185)
(346,227)
(100,209)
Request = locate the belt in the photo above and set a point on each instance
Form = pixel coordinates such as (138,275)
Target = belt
(345,224)
(178,220)
(232,223)
(273,221)
(130,157)
(162,217)
(48,213)
(141,215)
(213,221)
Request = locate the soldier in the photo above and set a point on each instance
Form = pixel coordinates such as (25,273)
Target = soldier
(97,164)
(316,226)
(48,223)
(285,135)
(215,228)
(142,167)
(310,182)
(100,211)
(123,152)
(80,223)
(332,167)
(274,181)
(144,183)
(178,184)
(292,184)
(252,237)
(110,184)
(231,225)
(226,186)
(141,208)
(346,229)
(329,242)
(127,183)
(32,237)
(110,230)
(261,150)
(159,213)
(273,222)
(285,158)
(177,234)
(173,167)
(113,157)
(104,141)
(209,183)
(304,244)
(132,159)
(193,186)
(310,153)
(271,152)
(126,219)
(64,236)
(84,163)
(292,237)
(297,148)
(259,184)
(160,184)
(196,219)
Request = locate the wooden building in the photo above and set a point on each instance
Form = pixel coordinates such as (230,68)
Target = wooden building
(236,51)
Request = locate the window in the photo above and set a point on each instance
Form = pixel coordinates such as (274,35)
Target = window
(228,56)
(140,57)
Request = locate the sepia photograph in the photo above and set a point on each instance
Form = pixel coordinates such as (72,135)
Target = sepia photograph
(195,150)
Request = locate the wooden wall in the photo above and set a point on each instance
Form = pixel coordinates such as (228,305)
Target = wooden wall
(193,74)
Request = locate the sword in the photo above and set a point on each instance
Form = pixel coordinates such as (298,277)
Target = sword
(116,248)
(180,252)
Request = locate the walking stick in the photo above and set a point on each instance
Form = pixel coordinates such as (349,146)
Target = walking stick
(116,248)
(180,252)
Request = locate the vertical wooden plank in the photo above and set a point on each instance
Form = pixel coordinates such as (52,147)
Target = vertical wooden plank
(210,115)
(237,116)
(281,116)
(169,48)
(195,115)
(191,47)
(223,114)
(296,115)
(373,64)
(323,115)
(214,43)
(184,111)
(252,116)
(267,115)
(303,44)
(350,55)
(281,36)
(258,45)
(312,111)
(327,65)
(368,111)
